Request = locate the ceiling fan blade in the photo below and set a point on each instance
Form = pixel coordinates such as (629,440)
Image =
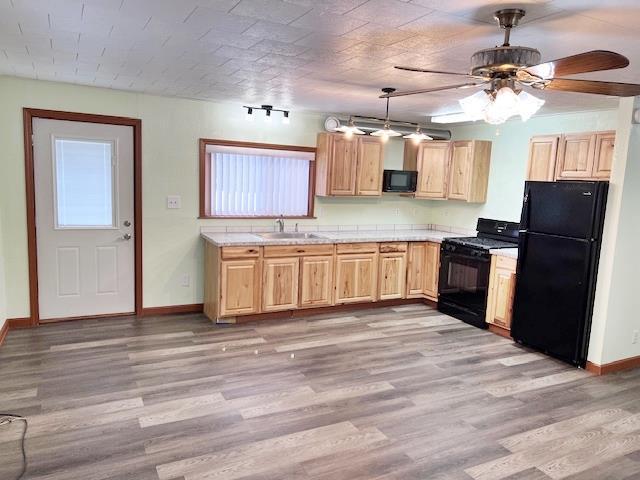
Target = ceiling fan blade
(591,86)
(426,70)
(593,61)
(428,90)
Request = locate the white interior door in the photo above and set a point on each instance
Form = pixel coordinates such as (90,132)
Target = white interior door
(84,218)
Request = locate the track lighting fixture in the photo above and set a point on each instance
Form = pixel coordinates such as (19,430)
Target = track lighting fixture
(386,131)
(267,109)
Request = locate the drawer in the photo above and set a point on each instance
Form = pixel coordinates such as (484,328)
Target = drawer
(370,247)
(391,247)
(506,262)
(240,252)
(297,250)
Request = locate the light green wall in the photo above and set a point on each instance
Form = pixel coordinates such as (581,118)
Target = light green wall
(617,303)
(170,131)
(509,155)
(3,295)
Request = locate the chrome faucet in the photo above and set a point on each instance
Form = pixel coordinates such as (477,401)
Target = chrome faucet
(280,223)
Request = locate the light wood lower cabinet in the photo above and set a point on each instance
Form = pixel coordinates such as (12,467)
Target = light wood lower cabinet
(392,273)
(355,278)
(502,284)
(423,268)
(316,281)
(249,280)
(239,287)
(280,284)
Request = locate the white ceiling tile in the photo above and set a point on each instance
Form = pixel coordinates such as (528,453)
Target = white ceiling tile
(328,23)
(281,48)
(276,31)
(379,34)
(392,13)
(331,6)
(271,10)
(204,20)
(238,53)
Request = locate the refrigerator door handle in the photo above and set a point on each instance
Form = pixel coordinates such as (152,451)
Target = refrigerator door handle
(524,220)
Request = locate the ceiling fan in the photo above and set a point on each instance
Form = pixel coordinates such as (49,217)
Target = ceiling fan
(505,69)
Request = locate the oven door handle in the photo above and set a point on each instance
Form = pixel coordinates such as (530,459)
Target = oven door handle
(451,256)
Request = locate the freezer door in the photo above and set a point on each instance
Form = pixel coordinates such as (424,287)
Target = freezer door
(569,209)
(552,296)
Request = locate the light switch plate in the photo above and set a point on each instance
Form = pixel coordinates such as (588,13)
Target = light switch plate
(174,201)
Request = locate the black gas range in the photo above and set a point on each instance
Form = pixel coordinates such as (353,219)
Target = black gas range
(465,264)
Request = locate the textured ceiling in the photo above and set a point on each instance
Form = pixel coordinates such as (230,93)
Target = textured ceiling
(314,55)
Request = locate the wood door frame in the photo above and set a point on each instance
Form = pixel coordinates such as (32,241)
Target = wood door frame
(28,114)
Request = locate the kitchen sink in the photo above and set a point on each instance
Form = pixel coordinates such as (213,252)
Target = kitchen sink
(288,235)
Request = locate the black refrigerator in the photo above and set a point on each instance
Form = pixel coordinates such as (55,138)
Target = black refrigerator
(558,252)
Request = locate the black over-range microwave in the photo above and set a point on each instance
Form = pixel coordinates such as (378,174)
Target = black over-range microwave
(399,181)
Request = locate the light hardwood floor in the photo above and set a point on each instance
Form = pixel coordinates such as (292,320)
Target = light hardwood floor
(395,393)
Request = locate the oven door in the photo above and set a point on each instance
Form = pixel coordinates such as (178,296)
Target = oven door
(464,282)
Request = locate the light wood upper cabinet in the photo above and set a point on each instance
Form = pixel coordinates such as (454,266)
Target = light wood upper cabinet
(280,284)
(342,165)
(605,143)
(433,167)
(432,270)
(316,281)
(392,275)
(502,283)
(423,269)
(542,158)
(355,277)
(240,287)
(469,171)
(348,166)
(576,156)
(370,159)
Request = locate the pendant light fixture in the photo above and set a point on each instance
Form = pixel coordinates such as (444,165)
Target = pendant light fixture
(418,136)
(350,129)
(385,132)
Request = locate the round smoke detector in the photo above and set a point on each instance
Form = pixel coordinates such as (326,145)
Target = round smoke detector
(505,59)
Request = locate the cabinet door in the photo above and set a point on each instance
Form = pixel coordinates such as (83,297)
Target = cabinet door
(416,262)
(502,283)
(460,173)
(392,276)
(542,158)
(576,156)
(431,269)
(356,276)
(239,287)
(605,143)
(370,158)
(343,166)
(433,166)
(280,284)
(316,281)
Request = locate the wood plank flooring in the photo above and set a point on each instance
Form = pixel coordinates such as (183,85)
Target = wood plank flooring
(381,394)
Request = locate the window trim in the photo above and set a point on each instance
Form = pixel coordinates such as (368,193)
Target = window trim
(205,176)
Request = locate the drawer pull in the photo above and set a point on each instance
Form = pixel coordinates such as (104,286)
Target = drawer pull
(251,250)
(300,251)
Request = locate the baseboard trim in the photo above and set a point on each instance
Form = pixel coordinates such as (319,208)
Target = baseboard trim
(173,309)
(617,366)
(3,331)
(24,322)
(498,330)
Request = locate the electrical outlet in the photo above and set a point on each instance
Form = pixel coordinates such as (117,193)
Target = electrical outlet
(174,201)
(634,338)
(185,281)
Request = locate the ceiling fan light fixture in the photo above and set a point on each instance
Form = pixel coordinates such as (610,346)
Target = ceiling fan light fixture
(499,107)
(528,105)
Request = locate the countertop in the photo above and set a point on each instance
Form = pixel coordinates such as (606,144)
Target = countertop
(237,239)
(505,252)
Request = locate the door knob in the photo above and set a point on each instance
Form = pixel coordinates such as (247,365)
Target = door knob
(127,223)
(127,236)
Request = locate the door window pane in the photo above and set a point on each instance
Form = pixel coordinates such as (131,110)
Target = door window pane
(84,183)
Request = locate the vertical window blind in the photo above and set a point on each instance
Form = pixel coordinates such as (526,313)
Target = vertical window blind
(259,185)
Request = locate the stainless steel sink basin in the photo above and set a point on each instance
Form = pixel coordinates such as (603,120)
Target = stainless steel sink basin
(288,235)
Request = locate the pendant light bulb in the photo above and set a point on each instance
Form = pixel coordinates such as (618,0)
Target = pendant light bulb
(350,130)
(418,136)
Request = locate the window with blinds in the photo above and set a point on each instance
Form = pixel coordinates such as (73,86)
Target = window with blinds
(258,182)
